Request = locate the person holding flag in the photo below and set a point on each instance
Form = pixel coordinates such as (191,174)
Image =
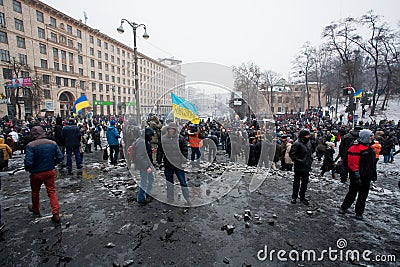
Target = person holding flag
(184,109)
(81,103)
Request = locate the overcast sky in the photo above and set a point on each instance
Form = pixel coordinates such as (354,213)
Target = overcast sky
(269,33)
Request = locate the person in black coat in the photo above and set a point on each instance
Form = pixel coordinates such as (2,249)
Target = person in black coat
(345,143)
(255,151)
(58,135)
(301,154)
(328,163)
(72,136)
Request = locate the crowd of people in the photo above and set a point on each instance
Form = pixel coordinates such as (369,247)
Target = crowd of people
(289,143)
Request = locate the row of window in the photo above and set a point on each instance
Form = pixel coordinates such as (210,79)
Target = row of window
(17,7)
(53,22)
(8,74)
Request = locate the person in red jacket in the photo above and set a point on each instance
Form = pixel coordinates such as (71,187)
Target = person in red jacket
(362,170)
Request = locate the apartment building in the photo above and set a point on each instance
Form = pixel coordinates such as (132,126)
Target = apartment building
(65,58)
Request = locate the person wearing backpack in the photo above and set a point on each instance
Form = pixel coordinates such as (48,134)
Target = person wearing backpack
(5,154)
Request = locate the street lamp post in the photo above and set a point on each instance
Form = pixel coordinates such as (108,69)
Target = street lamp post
(134,26)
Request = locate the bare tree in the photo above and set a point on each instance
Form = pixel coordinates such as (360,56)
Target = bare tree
(37,92)
(321,58)
(303,65)
(391,61)
(337,36)
(271,78)
(247,80)
(16,68)
(378,32)
(34,94)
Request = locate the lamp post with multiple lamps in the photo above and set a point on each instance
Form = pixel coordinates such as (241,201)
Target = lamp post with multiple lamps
(134,26)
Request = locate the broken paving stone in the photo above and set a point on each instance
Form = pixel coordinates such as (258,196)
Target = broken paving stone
(155,227)
(110,245)
(271,222)
(290,242)
(309,212)
(128,263)
(238,216)
(229,229)
(227,260)
(6,209)
(274,216)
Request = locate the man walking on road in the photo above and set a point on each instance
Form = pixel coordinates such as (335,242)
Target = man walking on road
(41,157)
(301,154)
(362,170)
(112,139)
(173,150)
(72,136)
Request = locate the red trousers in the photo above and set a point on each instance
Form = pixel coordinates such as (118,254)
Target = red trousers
(37,179)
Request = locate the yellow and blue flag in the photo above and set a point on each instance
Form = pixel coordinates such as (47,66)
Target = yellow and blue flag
(358,94)
(184,110)
(81,103)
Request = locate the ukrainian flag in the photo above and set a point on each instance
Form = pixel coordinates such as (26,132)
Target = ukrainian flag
(358,94)
(81,103)
(184,110)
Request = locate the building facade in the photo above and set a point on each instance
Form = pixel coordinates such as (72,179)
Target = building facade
(66,58)
(292,98)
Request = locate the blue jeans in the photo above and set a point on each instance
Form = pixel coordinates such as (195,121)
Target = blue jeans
(114,151)
(146,185)
(77,154)
(195,151)
(169,175)
(386,158)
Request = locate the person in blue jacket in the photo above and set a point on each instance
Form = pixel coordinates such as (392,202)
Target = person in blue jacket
(112,139)
(41,156)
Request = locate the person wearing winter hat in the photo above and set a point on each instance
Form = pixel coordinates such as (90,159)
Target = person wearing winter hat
(173,151)
(362,170)
(301,154)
